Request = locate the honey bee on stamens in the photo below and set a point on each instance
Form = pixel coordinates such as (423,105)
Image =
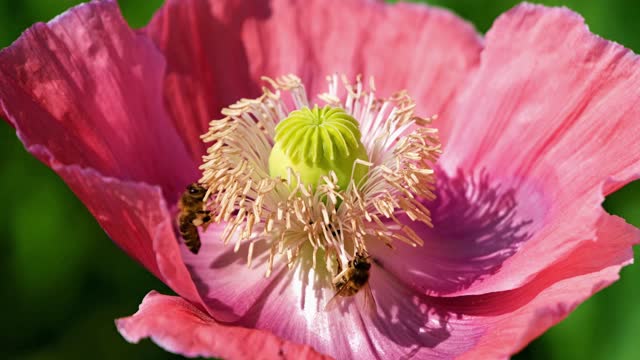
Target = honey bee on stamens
(192,215)
(350,281)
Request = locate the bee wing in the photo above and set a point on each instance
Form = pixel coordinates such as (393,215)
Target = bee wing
(333,302)
(369,305)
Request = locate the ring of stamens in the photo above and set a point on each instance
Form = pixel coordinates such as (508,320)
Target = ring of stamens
(290,215)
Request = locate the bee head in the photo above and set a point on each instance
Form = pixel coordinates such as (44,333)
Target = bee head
(196,190)
(361,263)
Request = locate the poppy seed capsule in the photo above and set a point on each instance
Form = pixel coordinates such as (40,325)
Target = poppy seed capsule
(314,142)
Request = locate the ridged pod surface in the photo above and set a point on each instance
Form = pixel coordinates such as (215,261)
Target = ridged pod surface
(313,142)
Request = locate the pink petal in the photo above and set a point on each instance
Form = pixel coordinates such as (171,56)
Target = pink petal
(291,304)
(135,216)
(476,227)
(207,66)
(217,51)
(84,93)
(89,90)
(181,328)
(409,324)
(227,285)
(556,119)
(516,317)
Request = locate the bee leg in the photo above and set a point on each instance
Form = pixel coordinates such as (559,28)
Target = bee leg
(337,276)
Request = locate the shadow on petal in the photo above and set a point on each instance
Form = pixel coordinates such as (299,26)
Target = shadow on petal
(410,324)
(406,317)
(477,226)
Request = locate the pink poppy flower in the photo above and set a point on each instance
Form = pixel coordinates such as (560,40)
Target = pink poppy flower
(538,121)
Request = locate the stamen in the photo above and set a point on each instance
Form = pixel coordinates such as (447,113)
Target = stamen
(389,152)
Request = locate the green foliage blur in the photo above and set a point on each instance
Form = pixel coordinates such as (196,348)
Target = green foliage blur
(64,281)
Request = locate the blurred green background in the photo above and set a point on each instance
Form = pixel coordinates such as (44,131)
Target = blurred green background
(64,281)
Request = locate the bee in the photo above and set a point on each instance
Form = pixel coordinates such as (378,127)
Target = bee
(192,215)
(353,279)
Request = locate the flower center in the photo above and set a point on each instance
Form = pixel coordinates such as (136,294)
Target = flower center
(314,142)
(275,175)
